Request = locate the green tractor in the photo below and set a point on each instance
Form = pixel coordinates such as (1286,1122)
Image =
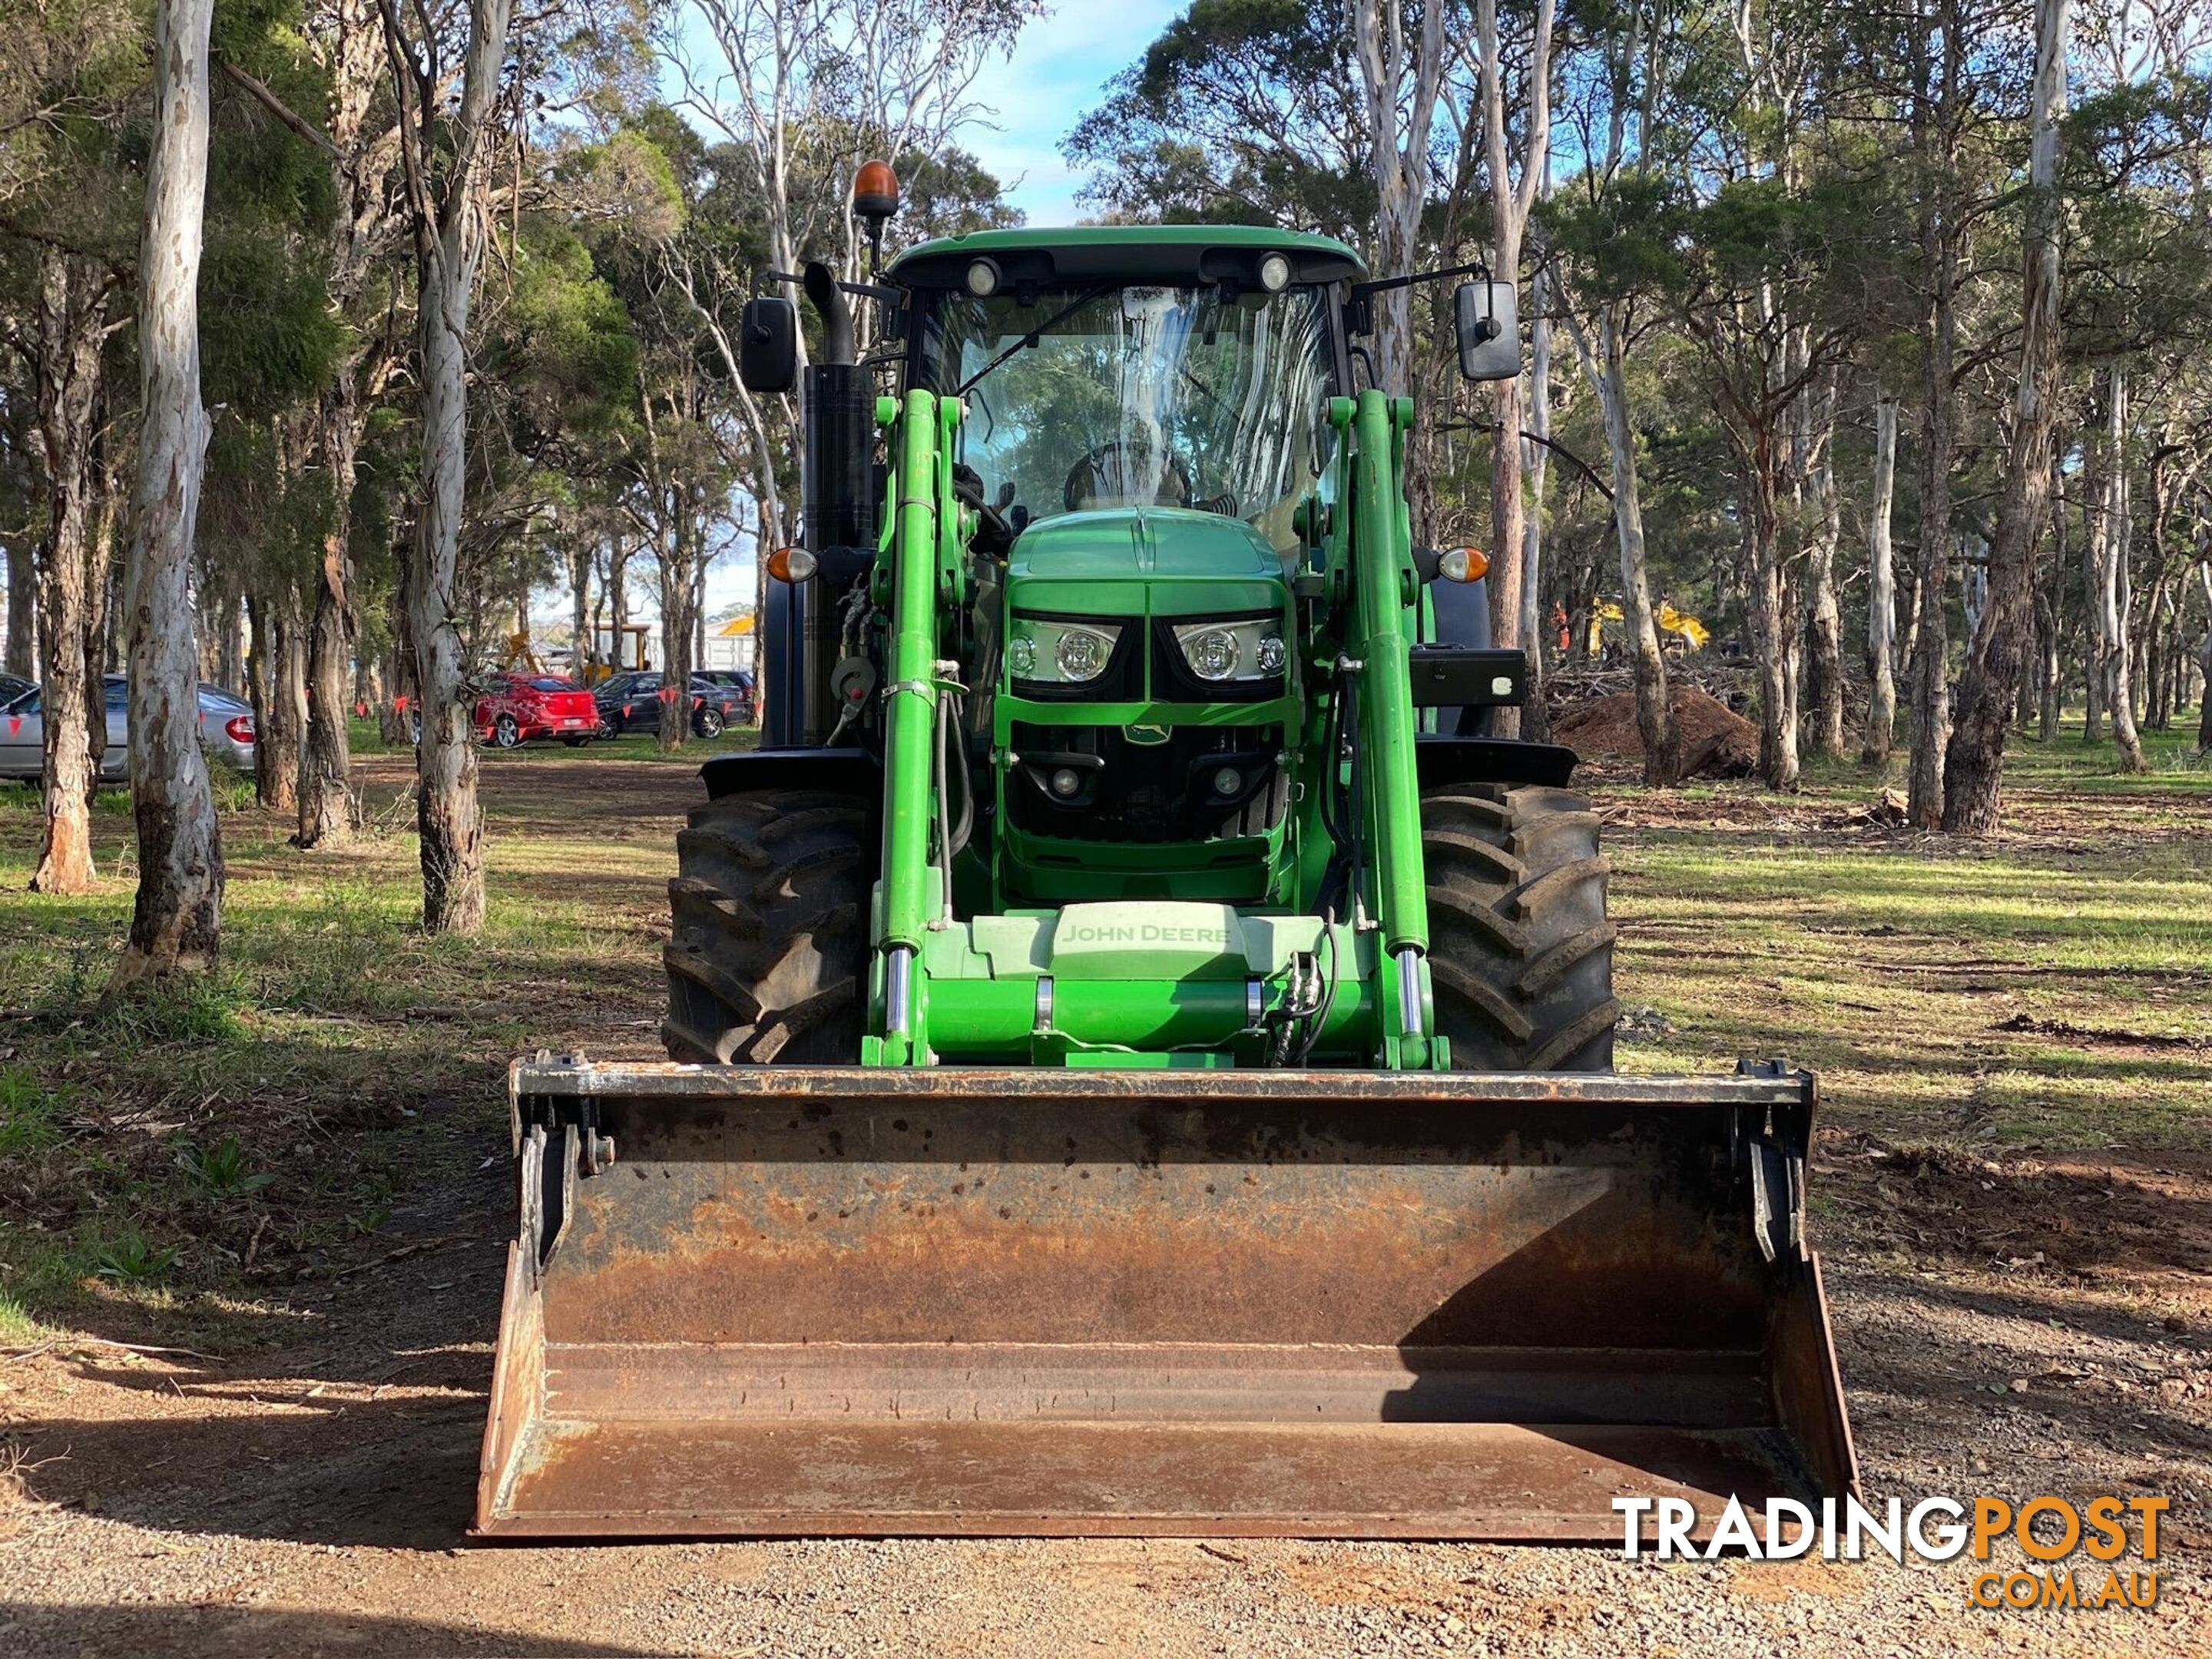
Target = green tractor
(1142,1046)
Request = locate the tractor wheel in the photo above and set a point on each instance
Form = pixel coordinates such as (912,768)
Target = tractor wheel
(1520,951)
(766,956)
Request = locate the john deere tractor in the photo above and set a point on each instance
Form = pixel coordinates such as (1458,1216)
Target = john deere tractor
(1142,1046)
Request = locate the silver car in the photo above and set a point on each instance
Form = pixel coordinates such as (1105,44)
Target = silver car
(226,731)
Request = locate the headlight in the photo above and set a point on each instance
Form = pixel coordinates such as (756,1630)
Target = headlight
(1060,652)
(1218,651)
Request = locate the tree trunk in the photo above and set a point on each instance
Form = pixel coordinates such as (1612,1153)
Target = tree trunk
(1771,627)
(2204,651)
(1655,720)
(679,622)
(446,812)
(367,685)
(20,656)
(1536,722)
(1882,593)
(2154,659)
(395,716)
(275,672)
(1823,622)
(2114,598)
(1997,657)
(579,631)
(446,160)
(618,605)
(104,651)
(1939,70)
(326,801)
(223,615)
(71,317)
(1931,707)
(176,923)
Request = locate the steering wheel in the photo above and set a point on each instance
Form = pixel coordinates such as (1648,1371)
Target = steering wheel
(1110,469)
(994,535)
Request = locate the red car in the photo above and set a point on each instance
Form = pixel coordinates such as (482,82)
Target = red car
(512,708)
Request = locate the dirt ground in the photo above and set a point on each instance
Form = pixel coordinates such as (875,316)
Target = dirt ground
(2017,1323)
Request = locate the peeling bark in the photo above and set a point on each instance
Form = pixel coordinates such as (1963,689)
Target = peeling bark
(71,317)
(326,800)
(446,155)
(1881,591)
(1996,660)
(176,923)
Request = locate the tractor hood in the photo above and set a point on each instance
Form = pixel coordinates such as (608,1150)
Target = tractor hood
(1126,561)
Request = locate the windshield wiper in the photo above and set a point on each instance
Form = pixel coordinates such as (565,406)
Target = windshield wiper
(1031,338)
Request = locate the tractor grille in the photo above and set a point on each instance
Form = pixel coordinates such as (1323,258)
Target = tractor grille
(1147,791)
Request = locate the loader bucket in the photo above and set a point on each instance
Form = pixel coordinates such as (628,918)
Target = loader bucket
(753,1300)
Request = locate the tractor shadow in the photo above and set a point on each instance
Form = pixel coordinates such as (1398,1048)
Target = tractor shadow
(33,1631)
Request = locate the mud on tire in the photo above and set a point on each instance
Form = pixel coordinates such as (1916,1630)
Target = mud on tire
(1520,951)
(768,947)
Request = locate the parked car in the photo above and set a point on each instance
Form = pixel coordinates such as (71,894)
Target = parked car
(633,703)
(514,708)
(737,680)
(226,731)
(13,686)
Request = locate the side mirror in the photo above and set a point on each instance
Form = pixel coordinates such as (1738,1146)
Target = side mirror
(1487,316)
(768,345)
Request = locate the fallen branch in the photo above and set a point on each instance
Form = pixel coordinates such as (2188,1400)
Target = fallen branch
(405,1250)
(13,1355)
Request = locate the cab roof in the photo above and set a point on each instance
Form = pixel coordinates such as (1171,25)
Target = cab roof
(1202,253)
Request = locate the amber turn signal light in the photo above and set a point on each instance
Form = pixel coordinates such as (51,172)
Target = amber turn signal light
(791,564)
(1458,564)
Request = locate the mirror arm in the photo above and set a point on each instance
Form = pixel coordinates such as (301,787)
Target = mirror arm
(1359,307)
(882,291)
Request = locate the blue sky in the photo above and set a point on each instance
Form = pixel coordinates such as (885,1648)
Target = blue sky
(1060,65)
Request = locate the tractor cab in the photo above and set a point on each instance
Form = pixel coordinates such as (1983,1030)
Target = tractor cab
(1147,450)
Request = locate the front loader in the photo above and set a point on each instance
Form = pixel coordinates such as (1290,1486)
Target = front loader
(1142,1049)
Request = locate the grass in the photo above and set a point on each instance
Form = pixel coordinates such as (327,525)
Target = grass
(1921,976)
(173,1163)
(166,1154)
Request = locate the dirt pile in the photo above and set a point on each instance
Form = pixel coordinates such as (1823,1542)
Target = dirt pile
(1716,743)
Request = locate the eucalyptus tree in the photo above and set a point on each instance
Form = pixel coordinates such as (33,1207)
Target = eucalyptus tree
(453,104)
(1611,258)
(1989,690)
(1767,294)
(176,923)
(68,224)
(1516,182)
(360,141)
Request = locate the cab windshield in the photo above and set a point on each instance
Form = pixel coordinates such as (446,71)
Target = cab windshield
(1140,396)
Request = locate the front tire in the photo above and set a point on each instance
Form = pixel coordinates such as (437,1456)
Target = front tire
(708,722)
(766,956)
(506,733)
(1520,950)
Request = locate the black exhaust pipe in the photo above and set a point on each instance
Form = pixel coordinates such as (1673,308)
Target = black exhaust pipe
(838,491)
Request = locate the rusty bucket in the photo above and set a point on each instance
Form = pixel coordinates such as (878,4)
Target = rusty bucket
(751,1300)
